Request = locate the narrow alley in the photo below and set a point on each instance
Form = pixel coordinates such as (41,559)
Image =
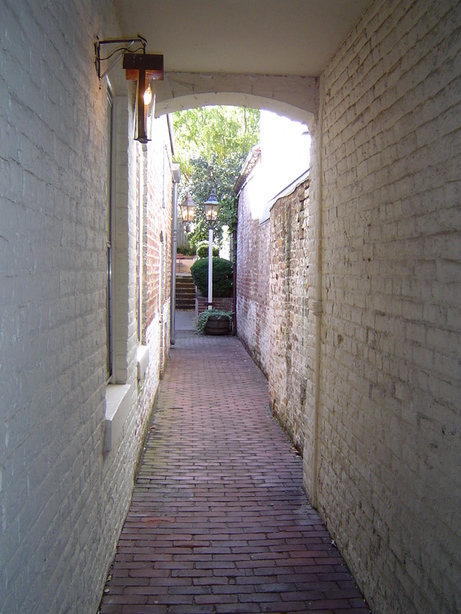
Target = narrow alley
(219,521)
(347,295)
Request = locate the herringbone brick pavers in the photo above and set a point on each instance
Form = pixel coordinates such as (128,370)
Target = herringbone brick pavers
(219,522)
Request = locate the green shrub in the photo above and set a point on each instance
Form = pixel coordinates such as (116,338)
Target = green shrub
(202,250)
(222,276)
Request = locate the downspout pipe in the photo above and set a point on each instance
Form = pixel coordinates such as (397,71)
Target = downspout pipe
(317,306)
(174,248)
(142,206)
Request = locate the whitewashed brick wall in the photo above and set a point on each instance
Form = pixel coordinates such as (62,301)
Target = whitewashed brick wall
(62,501)
(390,424)
(253,264)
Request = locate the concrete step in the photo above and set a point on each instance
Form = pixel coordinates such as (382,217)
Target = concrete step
(186,305)
(184,282)
(185,292)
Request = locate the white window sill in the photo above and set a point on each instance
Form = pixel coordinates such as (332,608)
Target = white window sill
(117,409)
(142,360)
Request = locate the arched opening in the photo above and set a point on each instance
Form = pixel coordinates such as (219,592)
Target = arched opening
(293,97)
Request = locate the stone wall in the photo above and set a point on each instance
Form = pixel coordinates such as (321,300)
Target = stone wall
(63,498)
(388,446)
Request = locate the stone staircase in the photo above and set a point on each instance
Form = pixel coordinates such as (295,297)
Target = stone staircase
(185,292)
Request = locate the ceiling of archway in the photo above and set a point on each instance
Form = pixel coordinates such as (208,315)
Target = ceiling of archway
(272,37)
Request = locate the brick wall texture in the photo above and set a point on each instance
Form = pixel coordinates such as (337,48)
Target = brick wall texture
(390,453)
(289,281)
(385,174)
(272,283)
(221,302)
(253,265)
(156,264)
(62,501)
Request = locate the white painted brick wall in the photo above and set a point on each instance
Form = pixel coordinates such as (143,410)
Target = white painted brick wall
(390,453)
(62,501)
(253,280)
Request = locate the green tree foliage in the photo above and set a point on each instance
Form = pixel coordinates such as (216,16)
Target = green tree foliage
(211,144)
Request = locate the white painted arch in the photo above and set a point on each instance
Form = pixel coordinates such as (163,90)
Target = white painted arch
(292,96)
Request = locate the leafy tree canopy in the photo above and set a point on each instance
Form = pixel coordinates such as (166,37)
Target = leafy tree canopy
(211,144)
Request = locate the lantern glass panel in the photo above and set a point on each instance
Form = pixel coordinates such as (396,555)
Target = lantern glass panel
(211,207)
(188,208)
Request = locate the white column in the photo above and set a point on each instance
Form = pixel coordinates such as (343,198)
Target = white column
(210,266)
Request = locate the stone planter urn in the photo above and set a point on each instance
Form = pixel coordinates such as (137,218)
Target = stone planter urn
(217,326)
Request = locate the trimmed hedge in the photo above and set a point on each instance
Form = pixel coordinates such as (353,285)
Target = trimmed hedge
(222,276)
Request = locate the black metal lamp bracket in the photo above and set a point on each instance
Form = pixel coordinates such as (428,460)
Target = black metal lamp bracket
(117,53)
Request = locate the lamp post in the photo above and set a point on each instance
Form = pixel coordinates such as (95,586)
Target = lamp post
(211,213)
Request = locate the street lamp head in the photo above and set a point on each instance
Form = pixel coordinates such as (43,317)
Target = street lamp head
(188,208)
(211,206)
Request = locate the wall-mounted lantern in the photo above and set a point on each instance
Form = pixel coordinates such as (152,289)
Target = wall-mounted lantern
(141,67)
(188,209)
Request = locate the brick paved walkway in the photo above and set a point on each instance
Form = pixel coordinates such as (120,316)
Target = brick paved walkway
(219,522)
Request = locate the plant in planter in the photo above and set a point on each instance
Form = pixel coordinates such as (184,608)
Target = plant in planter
(214,322)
